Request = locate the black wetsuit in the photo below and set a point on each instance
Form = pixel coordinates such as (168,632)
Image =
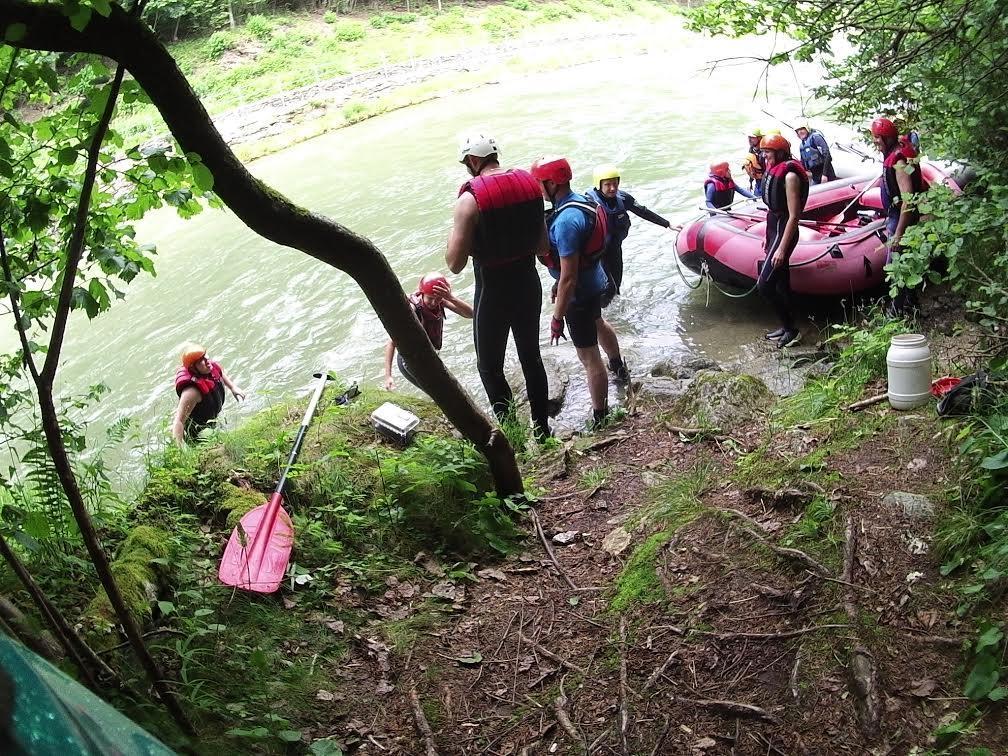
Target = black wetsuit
(619,228)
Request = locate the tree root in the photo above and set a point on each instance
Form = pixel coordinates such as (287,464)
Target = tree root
(659,671)
(549,549)
(553,657)
(624,709)
(862,669)
(563,718)
(731,708)
(422,724)
(796,555)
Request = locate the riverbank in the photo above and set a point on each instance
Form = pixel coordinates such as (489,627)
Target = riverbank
(275,85)
(720,570)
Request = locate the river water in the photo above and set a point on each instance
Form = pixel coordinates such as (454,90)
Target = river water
(272,315)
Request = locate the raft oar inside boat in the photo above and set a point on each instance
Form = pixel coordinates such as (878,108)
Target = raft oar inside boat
(745,216)
(258,551)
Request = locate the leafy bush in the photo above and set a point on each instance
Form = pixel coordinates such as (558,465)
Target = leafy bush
(219,43)
(500,21)
(381,20)
(259,27)
(349,31)
(522,5)
(330,17)
(354,112)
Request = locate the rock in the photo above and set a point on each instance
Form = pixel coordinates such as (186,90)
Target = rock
(914,506)
(721,400)
(616,542)
(558,380)
(683,369)
(566,537)
(673,387)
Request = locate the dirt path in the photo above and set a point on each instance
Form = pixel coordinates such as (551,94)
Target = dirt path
(809,622)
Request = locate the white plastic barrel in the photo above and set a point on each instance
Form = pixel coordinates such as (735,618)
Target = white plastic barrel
(909,363)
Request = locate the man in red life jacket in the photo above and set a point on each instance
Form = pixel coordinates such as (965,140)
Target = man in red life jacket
(429,302)
(199,384)
(785,191)
(720,187)
(901,179)
(498,221)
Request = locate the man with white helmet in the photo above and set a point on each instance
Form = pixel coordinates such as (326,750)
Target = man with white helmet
(498,221)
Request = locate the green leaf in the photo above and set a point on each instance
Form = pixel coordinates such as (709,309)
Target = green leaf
(80,18)
(166,607)
(989,638)
(202,177)
(996,462)
(68,156)
(15,32)
(326,747)
(256,733)
(290,736)
(202,612)
(983,677)
(998,694)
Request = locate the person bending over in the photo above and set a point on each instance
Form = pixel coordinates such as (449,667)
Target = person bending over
(200,384)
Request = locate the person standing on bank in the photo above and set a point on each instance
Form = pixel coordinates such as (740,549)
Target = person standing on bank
(900,181)
(200,384)
(498,221)
(429,302)
(785,191)
(720,188)
(577,244)
(815,154)
(618,204)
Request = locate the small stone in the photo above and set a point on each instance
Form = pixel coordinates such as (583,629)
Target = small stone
(566,537)
(616,542)
(917,463)
(914,506)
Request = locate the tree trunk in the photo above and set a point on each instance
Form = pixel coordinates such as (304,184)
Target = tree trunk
(231,16)
(263,209)
(42,643)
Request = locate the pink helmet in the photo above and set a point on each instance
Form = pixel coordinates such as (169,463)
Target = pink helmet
(431,281)
(883,127)
(555,169)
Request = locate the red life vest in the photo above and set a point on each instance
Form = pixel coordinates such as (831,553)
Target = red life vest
(184,377)
(431,320)
(891,191)
(510,216)
(724,190)
(775,197)
(211,388)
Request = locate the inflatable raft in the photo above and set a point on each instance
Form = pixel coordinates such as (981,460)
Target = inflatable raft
(841,239)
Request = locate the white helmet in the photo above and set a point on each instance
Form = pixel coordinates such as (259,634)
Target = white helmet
(478,145)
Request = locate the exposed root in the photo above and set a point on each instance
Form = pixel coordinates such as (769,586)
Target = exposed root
(421,722)
(624,709)
(564,720)
(856,406)
(752,528)
(731,708)
(794,674)
(659,671)
(862,669)
(553,657)
(549,550)
(770,636)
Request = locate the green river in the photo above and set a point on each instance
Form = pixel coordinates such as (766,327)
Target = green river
(272,316)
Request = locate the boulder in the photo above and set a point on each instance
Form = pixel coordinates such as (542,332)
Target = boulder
(665,387)
(683,369)
(716,399)
(913,506)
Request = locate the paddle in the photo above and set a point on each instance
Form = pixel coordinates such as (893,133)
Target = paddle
(260,545)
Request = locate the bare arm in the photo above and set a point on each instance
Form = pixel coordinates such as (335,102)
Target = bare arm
(792,188)
(236,392)
(566,285)
(463,230)
(906,190)
(457,306)
(389,356)
(189,398)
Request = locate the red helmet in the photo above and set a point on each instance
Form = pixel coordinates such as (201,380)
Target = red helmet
(432,281)
(720,169)
(883,127)
(774,142)
(555,169)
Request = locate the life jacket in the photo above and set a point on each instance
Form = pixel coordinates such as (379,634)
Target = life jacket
(811,157)
(596,240)
(724,190)
(755,168)
(775,197)
(431,320)
(211,388)
(510,216)
(891,194)
(619,217)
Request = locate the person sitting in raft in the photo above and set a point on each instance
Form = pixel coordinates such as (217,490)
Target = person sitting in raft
(617,204)
(815,154)
(720,188)
(900,180)
(785,191)
(429,301)
(199,384)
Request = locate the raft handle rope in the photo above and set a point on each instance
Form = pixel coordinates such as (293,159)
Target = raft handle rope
(704,273)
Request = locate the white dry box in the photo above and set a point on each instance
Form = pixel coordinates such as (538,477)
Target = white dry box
(394,422)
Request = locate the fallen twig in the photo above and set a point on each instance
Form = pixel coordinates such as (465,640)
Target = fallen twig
(661,738)
(551,656)
(560,709)
(659,671)
(733,708)
(421,722)
(605,441)
(624,709)
(549,549)
(850,548)
(768,636)
(857,406)
(794,554)
(794,674)
(862,670)
(682,431)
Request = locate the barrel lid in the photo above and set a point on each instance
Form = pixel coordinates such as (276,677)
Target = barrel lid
(908,339)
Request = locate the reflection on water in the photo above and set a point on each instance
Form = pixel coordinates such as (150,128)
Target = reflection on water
(272,315)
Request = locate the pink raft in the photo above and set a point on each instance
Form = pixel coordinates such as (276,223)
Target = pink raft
(840,240)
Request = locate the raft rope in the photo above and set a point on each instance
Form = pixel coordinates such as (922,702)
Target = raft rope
(705,274)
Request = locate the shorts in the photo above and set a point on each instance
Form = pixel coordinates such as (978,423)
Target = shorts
(581,317)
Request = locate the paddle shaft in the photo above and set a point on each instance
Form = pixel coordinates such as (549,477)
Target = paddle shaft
(303,430)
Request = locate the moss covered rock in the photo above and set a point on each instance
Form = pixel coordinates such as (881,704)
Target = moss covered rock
(716,399)
(235,502)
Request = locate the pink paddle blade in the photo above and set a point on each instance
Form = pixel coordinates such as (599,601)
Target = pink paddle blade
(259,548)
